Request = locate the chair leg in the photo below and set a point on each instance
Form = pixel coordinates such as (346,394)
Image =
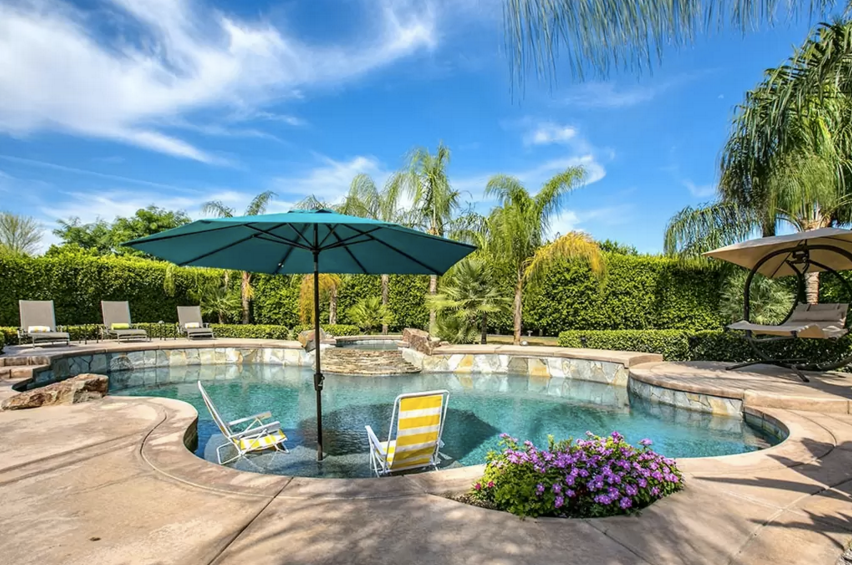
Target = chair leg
(744,364)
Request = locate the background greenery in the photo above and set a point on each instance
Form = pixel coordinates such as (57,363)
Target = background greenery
(639,292)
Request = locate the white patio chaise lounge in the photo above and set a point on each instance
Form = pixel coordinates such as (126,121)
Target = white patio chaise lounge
(38,323)
(419,421)
(190,323)
(117,322)
(808,321)
(256,436)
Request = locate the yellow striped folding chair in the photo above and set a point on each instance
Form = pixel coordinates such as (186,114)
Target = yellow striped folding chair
(256,436)
(419,419)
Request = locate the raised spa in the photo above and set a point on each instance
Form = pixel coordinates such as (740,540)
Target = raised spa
(481,407)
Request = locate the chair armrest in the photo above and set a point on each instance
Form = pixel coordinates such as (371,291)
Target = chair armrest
(261,416)
(259,431)
(375,444)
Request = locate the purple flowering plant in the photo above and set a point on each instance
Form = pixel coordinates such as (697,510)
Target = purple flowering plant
(596,476)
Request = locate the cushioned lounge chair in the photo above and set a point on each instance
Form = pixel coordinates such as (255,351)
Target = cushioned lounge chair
(419,419)
(38,323)
(117,322)
(190,323)
(808,321)
(256,436)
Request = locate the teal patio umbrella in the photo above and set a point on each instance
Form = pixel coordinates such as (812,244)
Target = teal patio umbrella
(302,242)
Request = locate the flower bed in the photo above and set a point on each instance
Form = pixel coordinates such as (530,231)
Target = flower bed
(584,478)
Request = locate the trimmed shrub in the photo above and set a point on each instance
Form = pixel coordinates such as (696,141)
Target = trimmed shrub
(587,478)
(2,341)
(718,345)
(335,330)
(672,344)
(253,331)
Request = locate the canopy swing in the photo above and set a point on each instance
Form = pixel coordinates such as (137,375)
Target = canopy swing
(827,250)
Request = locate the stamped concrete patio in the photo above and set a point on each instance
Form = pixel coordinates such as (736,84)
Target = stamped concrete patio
(111,482)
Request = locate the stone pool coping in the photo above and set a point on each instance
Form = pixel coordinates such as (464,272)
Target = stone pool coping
(684,384)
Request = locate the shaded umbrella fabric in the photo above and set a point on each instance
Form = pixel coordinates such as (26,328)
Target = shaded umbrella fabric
(749,253)
(285,243)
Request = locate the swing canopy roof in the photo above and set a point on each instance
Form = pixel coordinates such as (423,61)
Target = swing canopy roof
(825,249)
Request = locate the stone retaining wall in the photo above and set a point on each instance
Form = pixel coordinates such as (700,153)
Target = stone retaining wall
(69,366)
(698,402)
(605,372)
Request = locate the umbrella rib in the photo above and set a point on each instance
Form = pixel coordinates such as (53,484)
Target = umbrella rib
(346,247)
(329,234)
(301,236)
(290,251)
(347,240)
(209,253)
(277,237)
(403,253)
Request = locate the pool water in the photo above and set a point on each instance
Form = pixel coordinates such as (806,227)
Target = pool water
(480,408)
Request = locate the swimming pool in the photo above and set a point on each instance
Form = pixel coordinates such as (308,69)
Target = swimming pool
(481,407)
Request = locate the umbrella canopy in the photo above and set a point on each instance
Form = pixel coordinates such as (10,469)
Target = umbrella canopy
(825,249)
(315,242)
(286,243)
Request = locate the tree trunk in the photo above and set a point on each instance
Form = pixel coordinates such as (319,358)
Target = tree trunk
(517,307)
(244,292)
(483,337)
(227,278)
(433,315)
(812,287)
(332,306)
(221,317)
(385,289)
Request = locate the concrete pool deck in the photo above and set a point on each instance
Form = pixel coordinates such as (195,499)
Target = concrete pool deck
(112,482)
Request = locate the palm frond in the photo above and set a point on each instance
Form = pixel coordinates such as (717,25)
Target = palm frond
(217,209)
(259,203)
(573,245)
(603,35)
(694,231)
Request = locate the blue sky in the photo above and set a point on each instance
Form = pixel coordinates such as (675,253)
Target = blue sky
(108,106)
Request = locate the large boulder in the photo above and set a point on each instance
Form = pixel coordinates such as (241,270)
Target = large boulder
(306,338)
(81,388)
(420,340)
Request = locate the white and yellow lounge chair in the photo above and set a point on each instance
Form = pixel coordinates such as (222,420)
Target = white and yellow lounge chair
(419,421)
(257,436)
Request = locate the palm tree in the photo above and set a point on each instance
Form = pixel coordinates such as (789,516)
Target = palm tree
(518,226)
(257,206)
(369,313)
(468,293)
(435,202)
(19,235)
(787,159)
(366,201)
(601,35)
(328,286)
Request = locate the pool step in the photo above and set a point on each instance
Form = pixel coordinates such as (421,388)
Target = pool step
(365,362)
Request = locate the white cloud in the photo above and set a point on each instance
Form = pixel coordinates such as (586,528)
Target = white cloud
(699,191)
(610,95)
(329,181)
(574,220)
(532,177)
(548,132)
(59,72)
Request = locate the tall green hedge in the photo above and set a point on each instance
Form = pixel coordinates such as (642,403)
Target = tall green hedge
(639,292)
(78,283)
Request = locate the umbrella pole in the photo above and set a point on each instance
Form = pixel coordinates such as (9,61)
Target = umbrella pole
(318,378)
